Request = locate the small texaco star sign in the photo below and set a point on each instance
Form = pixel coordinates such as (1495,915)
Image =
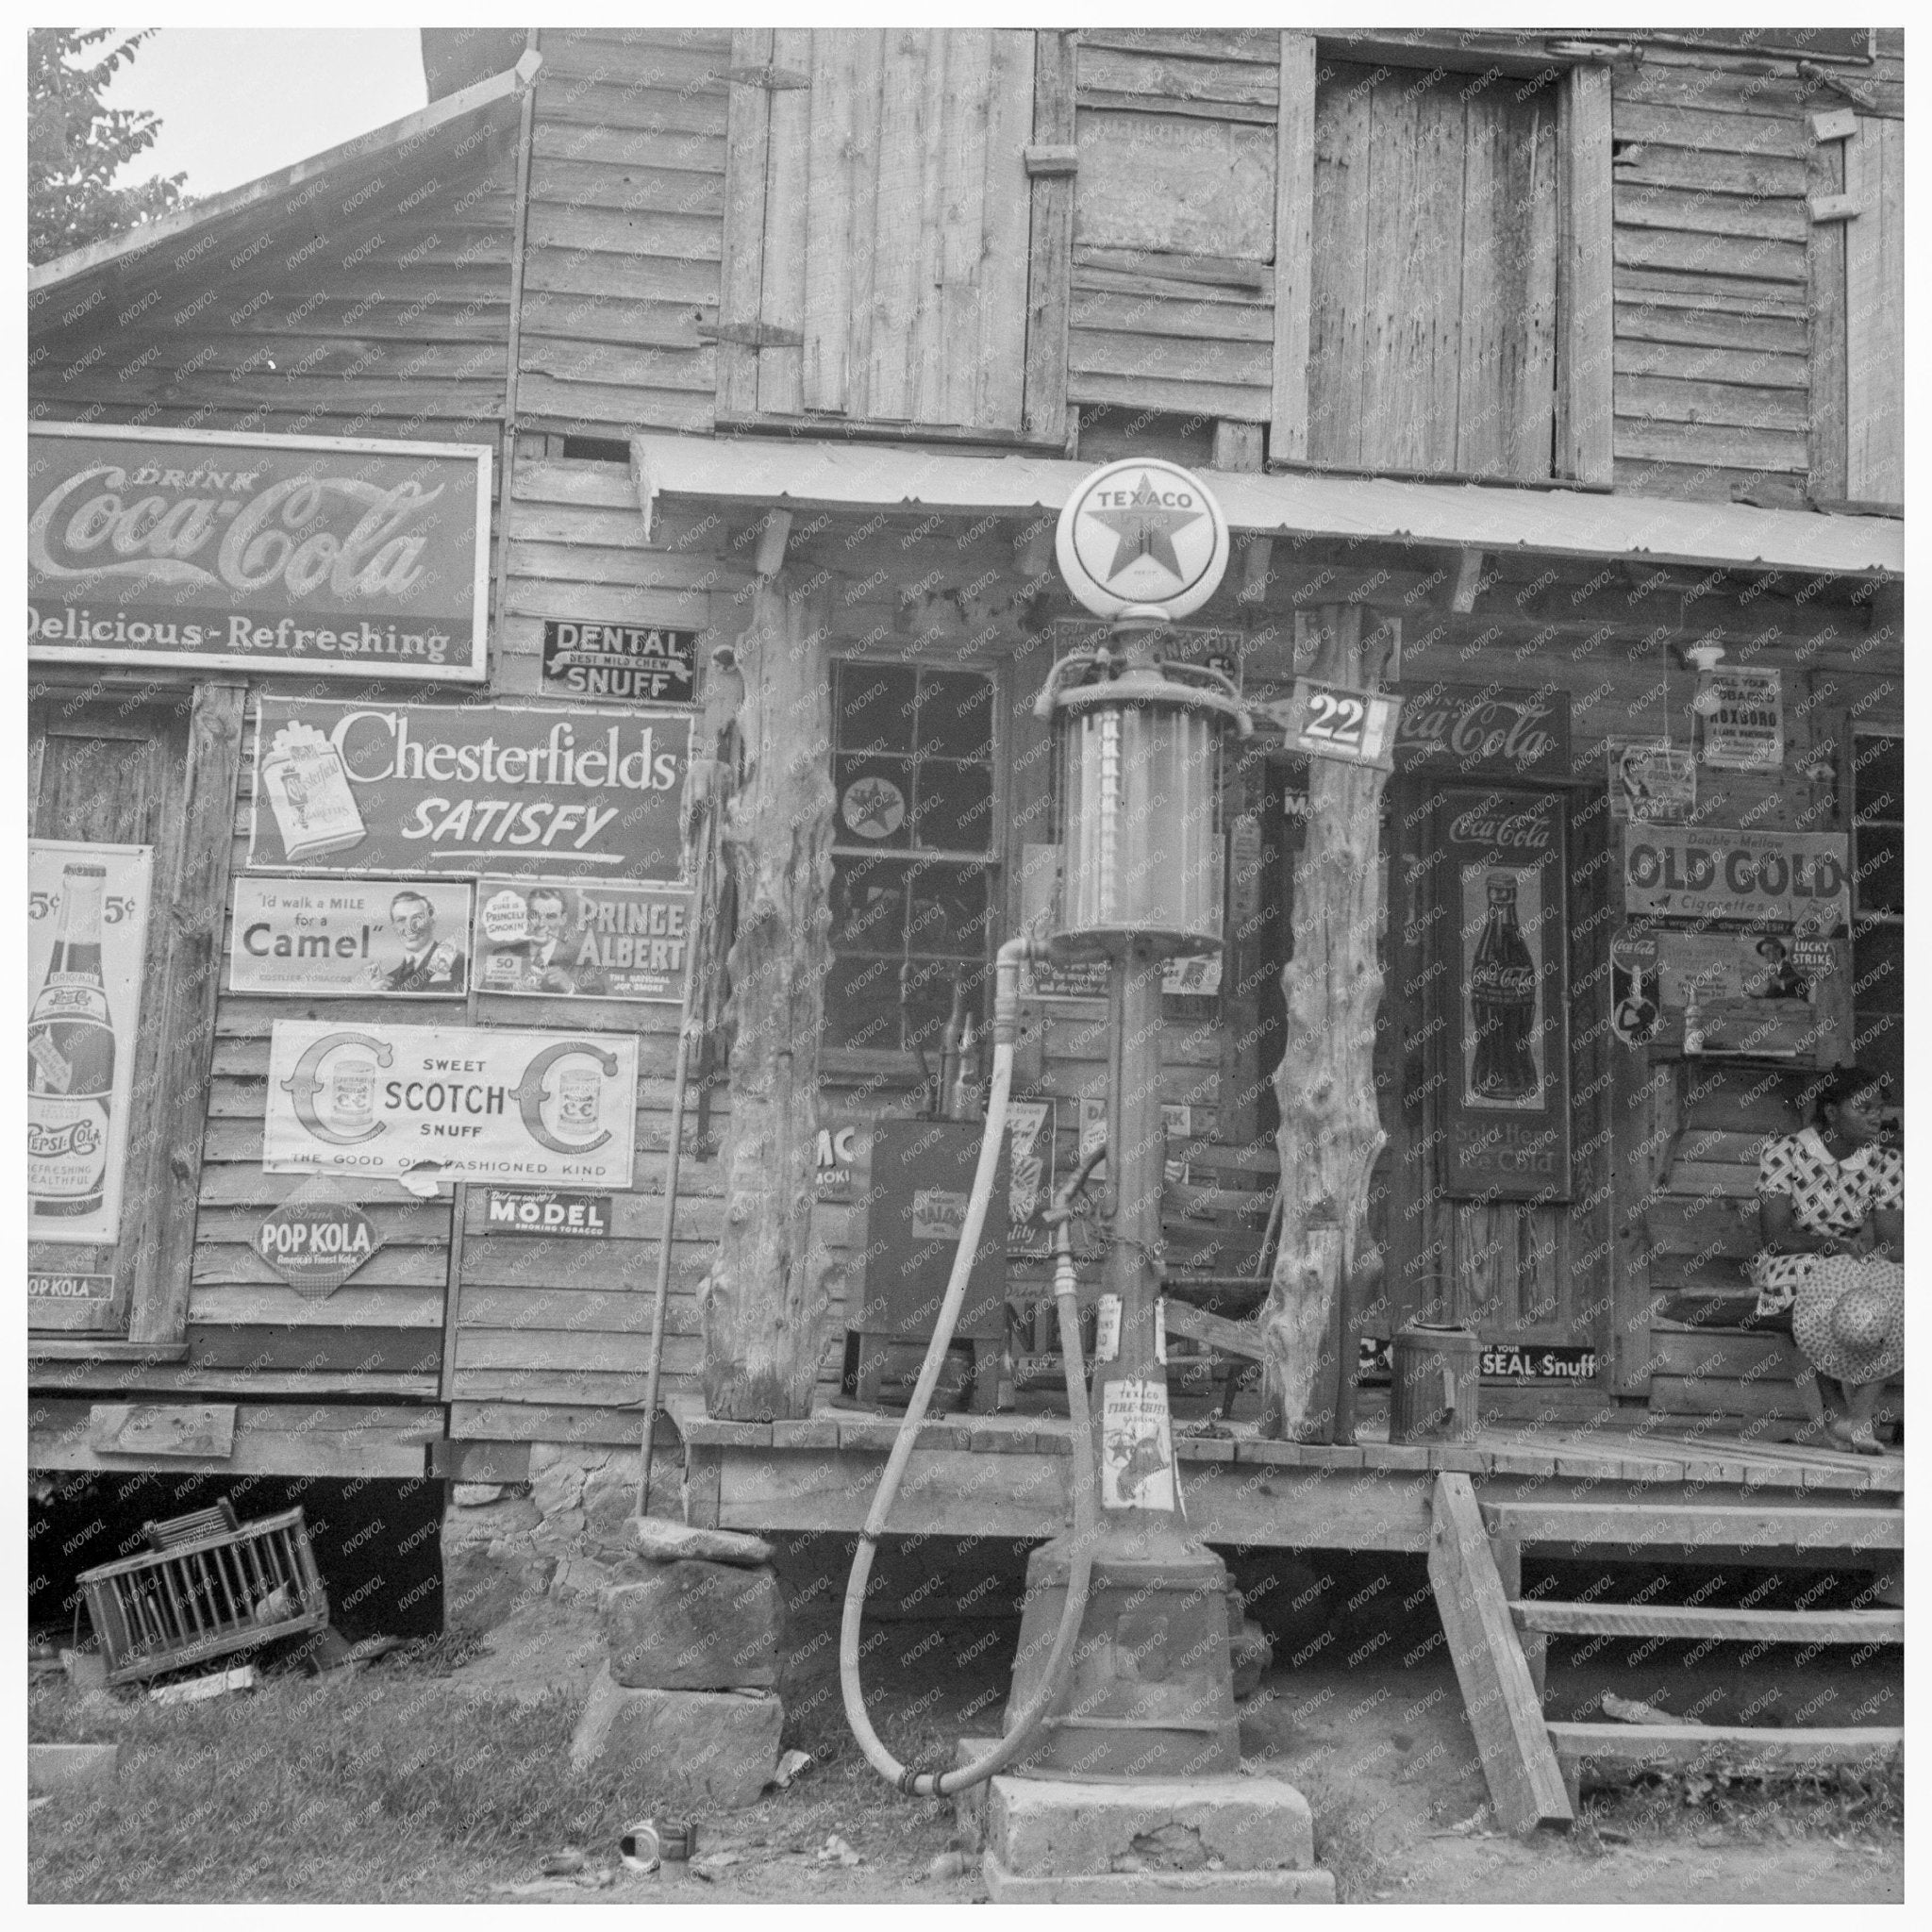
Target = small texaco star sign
(1142,532)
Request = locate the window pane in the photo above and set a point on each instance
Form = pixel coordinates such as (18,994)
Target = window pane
(1878,777)
(862,1002)
(875,801)
(953,809)
(948,910)
(868,906)
(873,706)
(1878,969)
(954,715)
(1879,881)
(930,988)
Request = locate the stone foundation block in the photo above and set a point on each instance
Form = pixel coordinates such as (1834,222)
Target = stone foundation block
(1052,1827)
(717,1749)
(663,1540)
(695,1626)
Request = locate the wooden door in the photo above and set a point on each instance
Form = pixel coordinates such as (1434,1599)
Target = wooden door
(102,774)
(879,227)
(1532,1276)
(1433,325)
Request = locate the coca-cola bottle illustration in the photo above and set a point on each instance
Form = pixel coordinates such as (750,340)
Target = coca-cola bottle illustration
(70,1061)
(1501,1002)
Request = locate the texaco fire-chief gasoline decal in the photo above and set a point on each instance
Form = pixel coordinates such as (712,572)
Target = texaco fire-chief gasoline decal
(874,807)
(1142,532)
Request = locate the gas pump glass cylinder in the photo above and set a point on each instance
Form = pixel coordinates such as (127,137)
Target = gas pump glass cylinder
(1139,831)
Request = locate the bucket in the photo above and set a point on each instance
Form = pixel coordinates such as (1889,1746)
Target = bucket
(1435,1373)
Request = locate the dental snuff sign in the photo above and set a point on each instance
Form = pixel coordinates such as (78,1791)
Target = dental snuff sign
(639,661)
(464,1103)
(217,550)
(455,789)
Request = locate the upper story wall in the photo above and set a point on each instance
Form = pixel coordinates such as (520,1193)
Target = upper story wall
(1488,254)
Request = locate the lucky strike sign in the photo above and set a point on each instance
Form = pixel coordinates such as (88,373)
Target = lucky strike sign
(1800,880)
(219,550)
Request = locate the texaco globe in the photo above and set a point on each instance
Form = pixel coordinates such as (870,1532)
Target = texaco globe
(1142,533)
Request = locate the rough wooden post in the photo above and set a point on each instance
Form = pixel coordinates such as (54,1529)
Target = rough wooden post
(1331,1132)
(764,1300)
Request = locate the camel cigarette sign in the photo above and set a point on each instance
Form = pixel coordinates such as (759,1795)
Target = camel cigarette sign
(464,1103)
(223,551)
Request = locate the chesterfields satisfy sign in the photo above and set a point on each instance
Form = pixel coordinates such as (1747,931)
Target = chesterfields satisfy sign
(258,553)
(468,788)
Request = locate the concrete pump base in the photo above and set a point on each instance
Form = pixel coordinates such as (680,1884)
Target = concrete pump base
(1218,1838)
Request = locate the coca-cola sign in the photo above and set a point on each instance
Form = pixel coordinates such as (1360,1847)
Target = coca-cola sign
(1490,730)
(1503,883)
(258,553)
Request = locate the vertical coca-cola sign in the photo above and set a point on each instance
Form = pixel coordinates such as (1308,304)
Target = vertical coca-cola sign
(1504,875)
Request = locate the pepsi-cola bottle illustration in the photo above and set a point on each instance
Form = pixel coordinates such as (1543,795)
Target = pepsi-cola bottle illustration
(1501,1002)
(70,1061)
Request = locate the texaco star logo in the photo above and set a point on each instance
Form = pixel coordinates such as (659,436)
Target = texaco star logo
(1142,532)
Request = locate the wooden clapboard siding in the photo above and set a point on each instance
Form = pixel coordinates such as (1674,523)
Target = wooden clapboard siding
(1874,254)
(1175,216)
(1433,336)
(1713,371)
(625,231)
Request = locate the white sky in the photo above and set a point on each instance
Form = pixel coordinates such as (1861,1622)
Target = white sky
(237,103)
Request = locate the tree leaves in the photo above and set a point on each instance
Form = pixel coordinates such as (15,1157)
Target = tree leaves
(77,145)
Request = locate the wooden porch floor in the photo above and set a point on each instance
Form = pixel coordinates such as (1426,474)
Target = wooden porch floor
(1009,1475)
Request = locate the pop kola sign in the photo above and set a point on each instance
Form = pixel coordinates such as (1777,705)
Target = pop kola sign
(216,549)
(1142,534)
(464,1103)
(316,1239)
(467,789)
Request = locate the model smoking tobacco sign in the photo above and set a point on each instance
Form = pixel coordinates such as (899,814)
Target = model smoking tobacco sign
(258,553)
(467,789)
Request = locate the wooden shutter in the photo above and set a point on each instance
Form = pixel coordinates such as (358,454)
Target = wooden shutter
(878,227)
(1433,341)
(1874,312)
(161,775)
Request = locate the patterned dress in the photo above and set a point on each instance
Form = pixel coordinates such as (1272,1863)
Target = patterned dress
(1830,1197)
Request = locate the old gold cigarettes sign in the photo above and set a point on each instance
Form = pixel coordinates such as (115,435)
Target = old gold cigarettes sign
(1798,880)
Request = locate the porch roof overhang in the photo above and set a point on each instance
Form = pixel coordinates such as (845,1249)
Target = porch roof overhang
(865,479)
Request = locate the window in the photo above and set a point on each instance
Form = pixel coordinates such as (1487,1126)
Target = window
(1879,902)
(914,846)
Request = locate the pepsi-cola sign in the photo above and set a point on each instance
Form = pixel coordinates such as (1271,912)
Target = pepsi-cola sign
(316,1239)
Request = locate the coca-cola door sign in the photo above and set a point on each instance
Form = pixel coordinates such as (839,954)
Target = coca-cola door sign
(1506,942)
(86,932)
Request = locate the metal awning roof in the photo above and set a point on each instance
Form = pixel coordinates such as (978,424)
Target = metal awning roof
(839,476)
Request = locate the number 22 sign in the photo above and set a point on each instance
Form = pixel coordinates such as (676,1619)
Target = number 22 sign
(1331,721)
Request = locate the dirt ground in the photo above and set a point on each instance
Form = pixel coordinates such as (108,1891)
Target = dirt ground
(295,1792)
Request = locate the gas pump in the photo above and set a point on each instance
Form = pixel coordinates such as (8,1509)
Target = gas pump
(1124,1667)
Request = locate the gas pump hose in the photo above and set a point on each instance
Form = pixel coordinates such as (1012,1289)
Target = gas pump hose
(1086,1487)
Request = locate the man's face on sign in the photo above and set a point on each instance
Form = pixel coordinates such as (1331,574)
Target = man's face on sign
(546,916)
(412,921)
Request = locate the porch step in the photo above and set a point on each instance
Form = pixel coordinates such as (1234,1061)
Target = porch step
(1740,1626)
(1693,1747)
(1718,1526)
